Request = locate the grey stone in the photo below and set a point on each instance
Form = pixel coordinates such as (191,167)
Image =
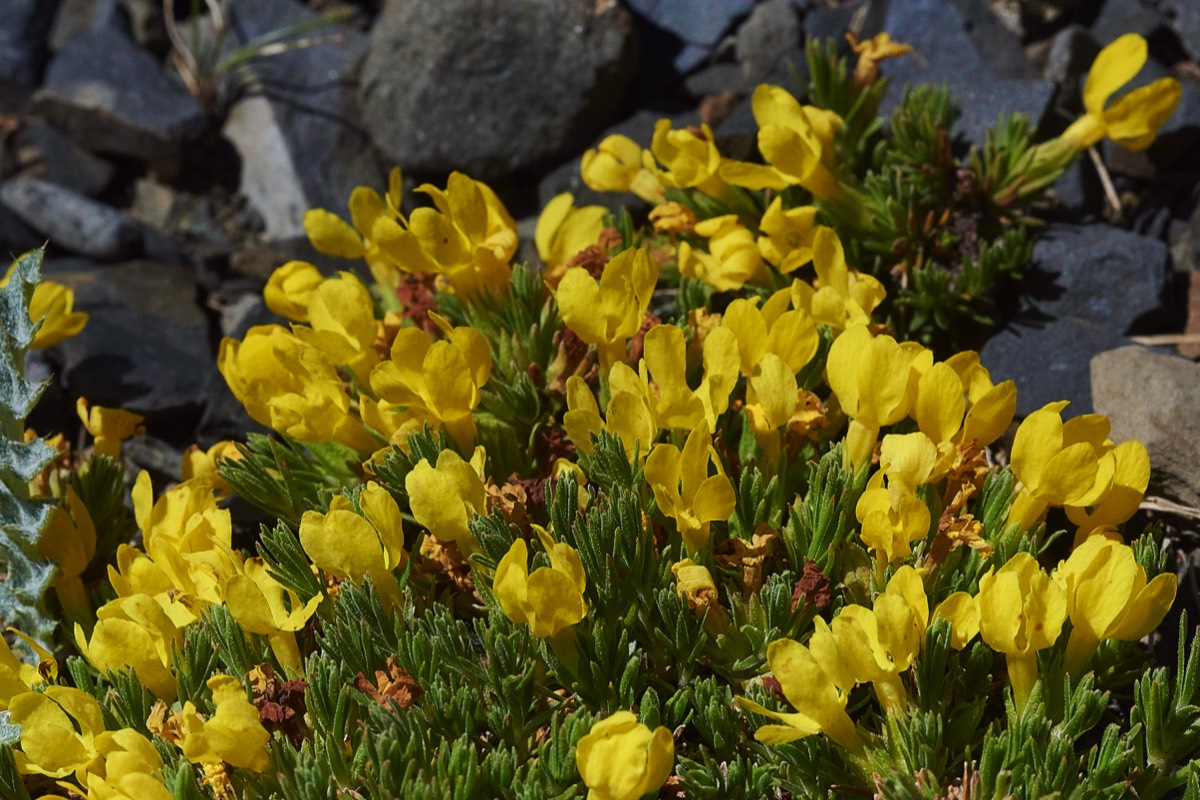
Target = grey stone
(148,25)
(995,42)
(945,54)
(112,97)
(527,82)
(146,345)
(699,23)
(79,17)
(24,25)
(1119,17)
(1088,287)
(298,126)
(718,78)
(1155,399)
(15,236)
(1184,17)
(70,220)
(1071,54)
(163,461)
(769,35)
(49,154)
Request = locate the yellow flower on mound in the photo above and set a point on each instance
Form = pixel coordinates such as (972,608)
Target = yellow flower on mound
(621,759)
(673,403)
(290,288)
(607,313)
(265,606)
(1133,120)
(1021,611)
(108,426)
(59,729)
(733,259)
(1131,476)
(685,492)
(445,497)
(550,599)
(134,632)
(615,165)
(962,612)
(629,416)
(129,769)
(1108,597)
(786,236)
(341,324)
(70,540)
(332,236)
(563,231)
(232,734)
(689,157)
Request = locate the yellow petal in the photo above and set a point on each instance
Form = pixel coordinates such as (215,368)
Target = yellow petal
(332,235)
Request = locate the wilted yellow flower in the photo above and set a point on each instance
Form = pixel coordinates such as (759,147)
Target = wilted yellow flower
(108,426)
(54,306)
(134,632)
(1133,121)
(615,165)
(608,313)
(872,51)
(1108,597)
(786,236)
(70,541)
(1060,464)
(265,606)
(445,497)
(59,727)
(685,491)
(1021,611)
(290,288)
(232,734)
(291,387)
(817,682)
(733,259)
(563,231)
(354,547)
(672,218)
(550,599)
(621,759)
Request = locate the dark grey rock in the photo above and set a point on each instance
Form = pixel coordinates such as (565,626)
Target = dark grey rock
(1184,17)
(1155,399)
(527,82)
(160,458)
(996,44)
(146,346)
(15,236)
(70,220)
(298,128)
(1071,54)
(48,154)
(1088,287)
(112,97)
(945,54)
(566,177)
(769,35)
(24,25)
(718,78)
(79,17)
(148,25)
(698,23)
(1079,191)
(1119,17)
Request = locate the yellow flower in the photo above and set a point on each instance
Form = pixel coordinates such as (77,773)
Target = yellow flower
(129,768)
(615,165)
(695,582)
(201,466)
(232,734)
(790,334)
(17,677)
(870,376)
(1134,120)
(685,491)
(1060,464)
(1131,476)
(54,306)
(1021,611)
(445,497)
(550,599)
(689,155)
(264,606)
(341,318)
(134,632)
(436,381)
(468,237)
(291,387)
(786,236)
(990,407)
(891,521)
(606,314)
(733,259)
(872,51)
(70,540)
(675,405)
(355,547)
(290,288)
(1108,597)
(629,416)
(108,426)
(563,231)
(817,682)
(795,140)
(59,727)
(332,236)
(845,297)
(621,759)
(962,612)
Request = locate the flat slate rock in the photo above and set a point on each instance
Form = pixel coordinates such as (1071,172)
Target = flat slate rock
(113,97)
(1088,287)
(945,54)
(298,125)
(72,221)
(1154,398)
(54,157)
(527,83)
(24,25)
